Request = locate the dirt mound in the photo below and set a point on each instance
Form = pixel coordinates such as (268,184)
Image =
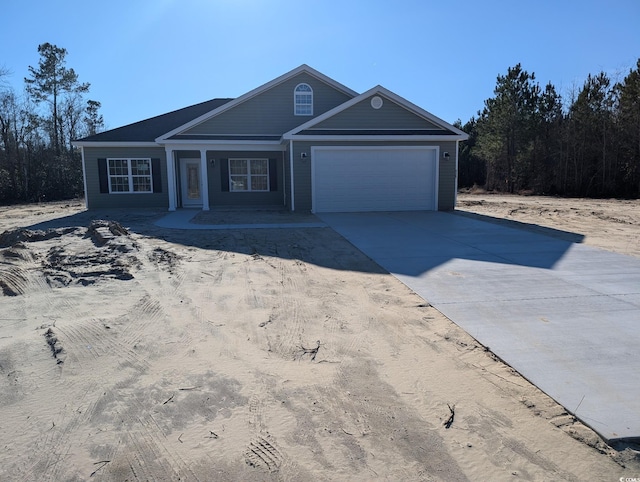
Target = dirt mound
(102,231)
(62,267)
(66,256)
(23,235)
(161,256)
(18,251)
(13,280)
(102,259)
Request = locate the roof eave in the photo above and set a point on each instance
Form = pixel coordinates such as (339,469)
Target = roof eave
(221,142)
(81,143)
(390,137)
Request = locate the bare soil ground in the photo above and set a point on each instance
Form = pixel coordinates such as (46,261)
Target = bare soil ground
(130,352)
(610,224)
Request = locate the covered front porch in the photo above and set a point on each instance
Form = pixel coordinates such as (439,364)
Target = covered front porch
(220,176)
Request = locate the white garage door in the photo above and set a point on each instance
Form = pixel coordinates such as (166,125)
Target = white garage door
(373,179)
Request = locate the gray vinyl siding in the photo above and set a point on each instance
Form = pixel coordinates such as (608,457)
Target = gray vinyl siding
(218,197)
(446,181)
(363,116)
(97,200)
(302,176)
(271,112)
(447,184)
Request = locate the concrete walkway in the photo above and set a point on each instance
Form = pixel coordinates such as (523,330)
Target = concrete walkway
(565,315)
(182,219)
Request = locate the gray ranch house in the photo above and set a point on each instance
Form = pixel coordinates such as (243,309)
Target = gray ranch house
(302,141)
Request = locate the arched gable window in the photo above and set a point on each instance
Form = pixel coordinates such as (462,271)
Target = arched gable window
(303,99)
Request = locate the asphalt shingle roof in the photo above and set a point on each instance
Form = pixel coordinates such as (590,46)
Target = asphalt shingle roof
(149,130)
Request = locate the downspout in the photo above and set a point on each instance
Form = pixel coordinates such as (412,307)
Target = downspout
(84,179)
(291,174)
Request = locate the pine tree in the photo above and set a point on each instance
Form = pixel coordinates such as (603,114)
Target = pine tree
(506,128)
(628,123)
(50,82)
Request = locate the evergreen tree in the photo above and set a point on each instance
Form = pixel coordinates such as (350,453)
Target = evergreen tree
(628,123)
(590,144)
(547,173)
(506,128)
(51,82)
(471,167)
(37,160)
(94,122)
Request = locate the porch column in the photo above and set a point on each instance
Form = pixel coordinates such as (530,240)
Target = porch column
(204,180)
(171,178)
(292,175)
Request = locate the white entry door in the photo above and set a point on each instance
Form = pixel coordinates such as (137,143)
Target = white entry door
(191,182)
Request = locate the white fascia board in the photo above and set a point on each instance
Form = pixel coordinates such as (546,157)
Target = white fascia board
(203,136)
(201,144)
(114,144)
(377,138)
(320,76)
(225,145)
(387,93)
(193,145)
(259,90)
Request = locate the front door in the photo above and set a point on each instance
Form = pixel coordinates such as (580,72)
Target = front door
(191,183)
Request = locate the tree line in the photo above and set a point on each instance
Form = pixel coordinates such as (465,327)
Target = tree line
(528,139)
(37,160)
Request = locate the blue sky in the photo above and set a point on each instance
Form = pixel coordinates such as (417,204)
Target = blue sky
(147,57)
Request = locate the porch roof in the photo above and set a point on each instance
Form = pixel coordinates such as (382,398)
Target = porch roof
(149,130)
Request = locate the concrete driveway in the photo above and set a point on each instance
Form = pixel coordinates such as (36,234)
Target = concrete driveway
(565,315)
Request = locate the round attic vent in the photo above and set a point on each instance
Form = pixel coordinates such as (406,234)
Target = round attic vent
(376,102)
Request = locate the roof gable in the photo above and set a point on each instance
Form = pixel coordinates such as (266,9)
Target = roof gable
(390,115)
(396,116)
(266,110)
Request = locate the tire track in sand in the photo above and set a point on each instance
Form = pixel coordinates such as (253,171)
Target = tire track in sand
(14,280)
(57,442)
(91,340)
(148,454)
(288,314)
(146,312)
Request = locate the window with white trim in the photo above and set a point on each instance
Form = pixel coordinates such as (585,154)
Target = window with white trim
(129,175)
(303,99)
(246,175)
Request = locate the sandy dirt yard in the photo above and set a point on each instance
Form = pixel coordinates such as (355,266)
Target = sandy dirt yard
(130,352)
(605,223)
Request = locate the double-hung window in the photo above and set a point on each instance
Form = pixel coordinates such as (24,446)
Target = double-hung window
(249,175)
(303,99)
(129,175)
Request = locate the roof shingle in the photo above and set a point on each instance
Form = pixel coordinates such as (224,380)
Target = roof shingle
(149,130)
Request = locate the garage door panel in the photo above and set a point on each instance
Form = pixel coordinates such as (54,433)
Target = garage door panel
(351,180)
